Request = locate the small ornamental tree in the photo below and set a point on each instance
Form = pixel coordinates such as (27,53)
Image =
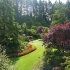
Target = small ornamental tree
(59,35)
(39,29)
(42,29)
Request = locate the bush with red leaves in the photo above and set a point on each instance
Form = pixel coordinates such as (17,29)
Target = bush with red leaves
(59,35)
(39,29)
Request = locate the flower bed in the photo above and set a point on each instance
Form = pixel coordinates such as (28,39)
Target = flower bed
(23,52)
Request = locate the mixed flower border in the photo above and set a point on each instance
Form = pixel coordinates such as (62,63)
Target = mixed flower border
(23,52)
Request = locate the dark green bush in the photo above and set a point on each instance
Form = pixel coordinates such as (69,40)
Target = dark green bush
(52,58)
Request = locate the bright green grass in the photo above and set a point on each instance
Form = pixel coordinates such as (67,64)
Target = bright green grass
(28,61)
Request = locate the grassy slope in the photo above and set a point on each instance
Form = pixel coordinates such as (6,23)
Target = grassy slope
(28,61)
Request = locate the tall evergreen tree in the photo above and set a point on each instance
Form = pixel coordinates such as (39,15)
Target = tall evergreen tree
(35,8)
(68,9)
(17,10)
(59,14)
(6,18)
(8,30)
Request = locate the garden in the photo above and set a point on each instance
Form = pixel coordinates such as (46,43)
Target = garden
(34,35)
(26,62)
(51,52)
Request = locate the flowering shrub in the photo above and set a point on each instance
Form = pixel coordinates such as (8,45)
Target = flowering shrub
(23,52)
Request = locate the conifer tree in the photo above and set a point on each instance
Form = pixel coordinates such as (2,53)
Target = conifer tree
(8,29)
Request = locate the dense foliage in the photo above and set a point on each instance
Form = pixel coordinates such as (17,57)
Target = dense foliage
(41,12)
(59,15)
(57,42)
(19,20)
(59,35)
(8,29)
(5,63)
(11,33)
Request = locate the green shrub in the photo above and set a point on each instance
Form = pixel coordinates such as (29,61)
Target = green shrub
(5,63)
(52,58)
(24,45)
(66,64)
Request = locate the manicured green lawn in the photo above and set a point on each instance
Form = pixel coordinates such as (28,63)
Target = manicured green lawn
(28,61)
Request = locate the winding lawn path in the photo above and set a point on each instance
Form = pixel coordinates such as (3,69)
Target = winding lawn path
(28,61)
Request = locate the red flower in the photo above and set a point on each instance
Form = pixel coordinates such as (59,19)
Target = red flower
(30,46)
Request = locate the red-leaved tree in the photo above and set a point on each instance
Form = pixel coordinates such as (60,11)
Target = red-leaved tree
(59,35)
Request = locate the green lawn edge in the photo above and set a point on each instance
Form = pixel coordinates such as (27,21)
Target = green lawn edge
(26,62)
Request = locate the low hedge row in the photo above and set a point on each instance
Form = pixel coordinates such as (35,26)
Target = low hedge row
(23,52)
